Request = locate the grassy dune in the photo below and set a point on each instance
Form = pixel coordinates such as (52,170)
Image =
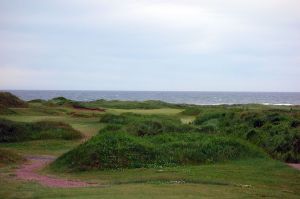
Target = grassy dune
(162,150)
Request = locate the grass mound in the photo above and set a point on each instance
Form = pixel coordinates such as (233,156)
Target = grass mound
(143,125)
(11,131)
(111,150)
(9,157)
(277,131)
(9,100)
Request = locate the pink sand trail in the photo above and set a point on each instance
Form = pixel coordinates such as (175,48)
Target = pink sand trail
(295,165)
(28,172)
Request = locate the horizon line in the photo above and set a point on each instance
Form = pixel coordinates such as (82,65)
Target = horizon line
(150,90)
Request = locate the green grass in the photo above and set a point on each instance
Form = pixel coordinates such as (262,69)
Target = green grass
(252,178)
(276,131)
(111,150)
(11,131)
(9,100)
(142,125)
(118,104)
(9,157)
(41,147)
(164,111)
(243,178)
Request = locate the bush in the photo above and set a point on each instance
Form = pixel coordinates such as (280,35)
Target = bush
(17,131)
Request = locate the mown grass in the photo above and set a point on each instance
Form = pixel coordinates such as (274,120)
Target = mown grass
(251,178)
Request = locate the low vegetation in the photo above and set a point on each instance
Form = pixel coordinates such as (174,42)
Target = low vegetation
(143,125)
(11,131)
(5,111)
(9,100)
(276,131)
(143,147)
(121,150)
(118,104)
(9,157)
(192,111)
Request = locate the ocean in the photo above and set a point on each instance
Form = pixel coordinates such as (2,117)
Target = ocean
(187,97)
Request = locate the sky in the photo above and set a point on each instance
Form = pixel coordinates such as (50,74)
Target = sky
(190,45)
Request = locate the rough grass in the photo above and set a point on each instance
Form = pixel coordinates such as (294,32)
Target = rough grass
(250,178)
(118,104)
(5,111)
(191,111)
(277,131)
(9,100)
(122,150)
(9,157)
(11,131)
(143,125)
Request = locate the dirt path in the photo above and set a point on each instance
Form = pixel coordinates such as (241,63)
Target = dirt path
(295,166)
(28,172)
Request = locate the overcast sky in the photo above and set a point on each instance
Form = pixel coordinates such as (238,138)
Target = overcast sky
(211,45)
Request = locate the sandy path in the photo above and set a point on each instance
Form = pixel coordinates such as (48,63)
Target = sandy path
(296,166)
(28,172)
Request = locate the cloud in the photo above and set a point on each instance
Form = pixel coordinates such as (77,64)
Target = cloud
(147,43)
